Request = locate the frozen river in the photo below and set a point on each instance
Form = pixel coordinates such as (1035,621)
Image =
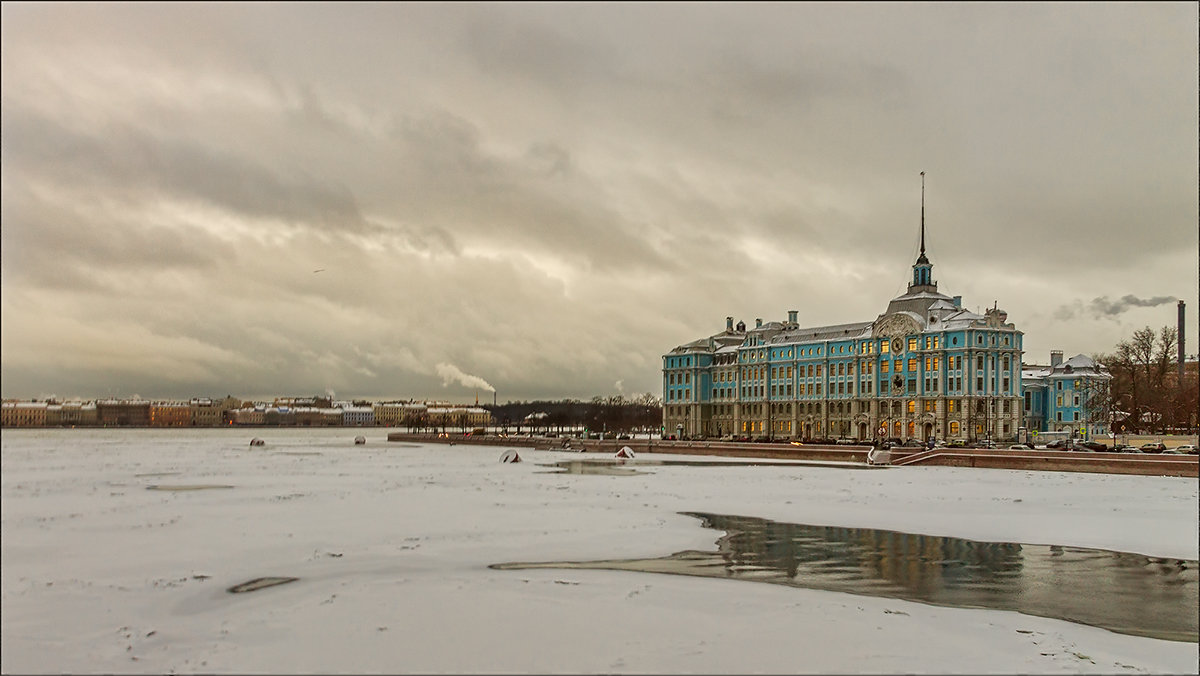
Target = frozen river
(120,546)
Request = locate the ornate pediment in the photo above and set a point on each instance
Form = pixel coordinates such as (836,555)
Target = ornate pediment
(896,325)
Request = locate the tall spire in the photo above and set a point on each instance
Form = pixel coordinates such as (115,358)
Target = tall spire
(922,214)
(922,269)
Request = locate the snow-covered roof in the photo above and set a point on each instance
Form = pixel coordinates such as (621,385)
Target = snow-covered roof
(1080,365)
(832,332)
(918,302)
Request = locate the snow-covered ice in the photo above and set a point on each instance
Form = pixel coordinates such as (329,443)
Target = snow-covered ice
(391,544)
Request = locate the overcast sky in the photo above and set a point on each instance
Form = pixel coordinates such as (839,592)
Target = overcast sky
(438,200)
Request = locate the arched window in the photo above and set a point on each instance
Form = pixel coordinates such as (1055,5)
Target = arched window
(954,427)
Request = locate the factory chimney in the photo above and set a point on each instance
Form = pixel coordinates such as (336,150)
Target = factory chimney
(1182,342)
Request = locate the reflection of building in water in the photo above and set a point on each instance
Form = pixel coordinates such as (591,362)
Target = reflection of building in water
(1124,592)
(921,566)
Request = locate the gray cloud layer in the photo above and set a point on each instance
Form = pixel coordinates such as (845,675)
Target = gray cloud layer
(547,197)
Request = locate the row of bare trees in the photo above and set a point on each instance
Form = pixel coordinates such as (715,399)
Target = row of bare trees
(614,414)
(1146,394)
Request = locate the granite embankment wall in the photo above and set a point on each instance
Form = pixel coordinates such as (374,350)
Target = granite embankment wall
(1153,464)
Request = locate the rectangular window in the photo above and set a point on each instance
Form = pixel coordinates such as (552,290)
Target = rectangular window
(937,363)
(950,405)
(883,347)
(912,344)
(885,366)
(912,365)
(928,363)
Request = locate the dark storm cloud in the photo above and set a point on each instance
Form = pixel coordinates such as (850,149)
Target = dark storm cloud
(55,242)
(444,176)
(121,158)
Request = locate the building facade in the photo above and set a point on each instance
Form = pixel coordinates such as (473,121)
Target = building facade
(1067,396)
(924,368)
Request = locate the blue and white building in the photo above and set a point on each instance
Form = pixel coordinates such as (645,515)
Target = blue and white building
(1066,398)
(924,368)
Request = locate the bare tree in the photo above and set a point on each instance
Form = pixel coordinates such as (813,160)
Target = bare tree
(1140,386)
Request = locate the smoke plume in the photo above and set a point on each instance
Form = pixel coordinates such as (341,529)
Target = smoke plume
(1104,307)
(452,374)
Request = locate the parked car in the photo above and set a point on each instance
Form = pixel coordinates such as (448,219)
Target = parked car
(1059,444)
(1187,448)
(1125,448)
(1019,447)
(956,443)
(914,443)
(1153,447)
(1091,446)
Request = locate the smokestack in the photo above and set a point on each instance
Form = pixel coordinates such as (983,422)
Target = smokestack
(729,324)
(1181,343)
(493,398)
(1055,358)
(758,323)
(792,317)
